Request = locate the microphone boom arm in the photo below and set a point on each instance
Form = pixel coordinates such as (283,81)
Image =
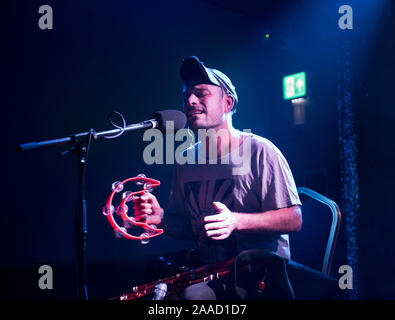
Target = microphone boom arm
(80,137)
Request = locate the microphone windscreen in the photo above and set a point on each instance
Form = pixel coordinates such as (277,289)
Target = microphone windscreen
(177,117)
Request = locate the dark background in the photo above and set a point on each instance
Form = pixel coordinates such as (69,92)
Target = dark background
(125,56)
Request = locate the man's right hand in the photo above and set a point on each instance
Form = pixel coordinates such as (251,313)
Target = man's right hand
(147,209)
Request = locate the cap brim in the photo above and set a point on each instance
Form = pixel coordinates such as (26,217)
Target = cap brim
(194,72)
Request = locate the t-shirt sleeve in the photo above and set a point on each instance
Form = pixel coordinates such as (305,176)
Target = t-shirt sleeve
(278,189)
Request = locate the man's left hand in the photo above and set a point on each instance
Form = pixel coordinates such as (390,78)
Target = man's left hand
(220,226)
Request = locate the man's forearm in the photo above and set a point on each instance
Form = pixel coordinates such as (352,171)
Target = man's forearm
(280,221)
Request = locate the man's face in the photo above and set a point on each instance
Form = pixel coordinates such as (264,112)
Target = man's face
(204,106)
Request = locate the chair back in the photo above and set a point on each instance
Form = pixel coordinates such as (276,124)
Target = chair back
(314,245)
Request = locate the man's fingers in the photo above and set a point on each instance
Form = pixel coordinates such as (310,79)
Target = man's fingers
(142,211)
(140,217)
(215,225)
(145,197)
(148,197)
(146,211)
(219,234)
(215,217)
(221,237)
(135,199)
(216,232)
(218,226)
(219,205)
(143,205)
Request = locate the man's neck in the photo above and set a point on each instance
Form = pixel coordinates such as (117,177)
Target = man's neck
(221,140)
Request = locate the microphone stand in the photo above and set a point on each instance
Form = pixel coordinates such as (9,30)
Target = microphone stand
(80,144)
(81,232)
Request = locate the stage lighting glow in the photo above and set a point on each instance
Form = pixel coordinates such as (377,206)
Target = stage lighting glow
(299,106)
(298,100)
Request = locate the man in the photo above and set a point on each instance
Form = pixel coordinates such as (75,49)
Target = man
(227,206)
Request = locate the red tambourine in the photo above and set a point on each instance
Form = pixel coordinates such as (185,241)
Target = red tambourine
(150,231)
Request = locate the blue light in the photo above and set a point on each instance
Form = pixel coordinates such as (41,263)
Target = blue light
(348,162)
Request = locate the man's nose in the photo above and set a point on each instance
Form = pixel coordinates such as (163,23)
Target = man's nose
(192,100)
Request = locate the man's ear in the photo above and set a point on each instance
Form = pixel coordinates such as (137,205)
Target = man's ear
(229,103)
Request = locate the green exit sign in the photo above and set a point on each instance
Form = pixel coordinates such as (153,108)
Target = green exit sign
(294,86)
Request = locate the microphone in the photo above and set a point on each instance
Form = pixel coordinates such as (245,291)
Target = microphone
(160,291)
(162,117)
(159,121)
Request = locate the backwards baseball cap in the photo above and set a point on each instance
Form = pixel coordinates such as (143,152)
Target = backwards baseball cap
(194,72)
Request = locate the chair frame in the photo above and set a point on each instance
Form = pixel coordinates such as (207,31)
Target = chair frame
(335,226)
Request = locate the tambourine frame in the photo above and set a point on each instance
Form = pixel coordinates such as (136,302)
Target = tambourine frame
(151,231)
